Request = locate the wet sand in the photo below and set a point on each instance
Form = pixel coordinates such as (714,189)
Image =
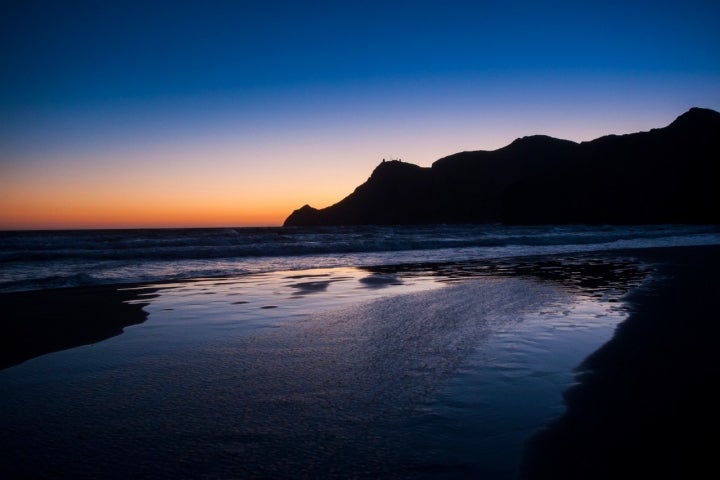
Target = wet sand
(37,323)
(645,404)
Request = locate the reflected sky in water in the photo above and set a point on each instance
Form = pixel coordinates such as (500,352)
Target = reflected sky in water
(429,376)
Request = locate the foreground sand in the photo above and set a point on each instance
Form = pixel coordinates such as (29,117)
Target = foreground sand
(642,405)
(37,323)
(645,405)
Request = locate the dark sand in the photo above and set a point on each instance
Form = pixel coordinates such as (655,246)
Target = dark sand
(36,323)
(645,405)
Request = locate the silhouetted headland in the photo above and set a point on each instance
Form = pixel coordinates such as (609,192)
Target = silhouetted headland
(39,322)
(665,175)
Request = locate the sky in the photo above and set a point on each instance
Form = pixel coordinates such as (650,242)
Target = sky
(202,114)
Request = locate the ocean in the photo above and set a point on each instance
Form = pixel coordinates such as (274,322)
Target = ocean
(34,260)
(428,352)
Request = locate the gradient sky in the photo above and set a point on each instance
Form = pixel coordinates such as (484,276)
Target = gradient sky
(142,114)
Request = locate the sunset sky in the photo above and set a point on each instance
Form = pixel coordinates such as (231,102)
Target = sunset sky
(159,114)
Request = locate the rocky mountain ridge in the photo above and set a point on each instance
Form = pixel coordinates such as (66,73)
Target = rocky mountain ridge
(665,175)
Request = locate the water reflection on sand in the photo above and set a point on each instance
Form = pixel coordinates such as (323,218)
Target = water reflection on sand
(437,371)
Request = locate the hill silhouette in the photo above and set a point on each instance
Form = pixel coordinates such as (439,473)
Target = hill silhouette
(665,175)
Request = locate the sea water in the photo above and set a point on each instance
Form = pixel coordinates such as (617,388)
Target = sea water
(430,358)
(45,259)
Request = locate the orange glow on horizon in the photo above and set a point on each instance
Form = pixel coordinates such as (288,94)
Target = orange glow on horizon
(159,193)
(132,209)
(39,202)
(69,216)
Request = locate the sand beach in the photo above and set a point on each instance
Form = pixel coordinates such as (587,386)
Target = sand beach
(645,404)
(539,367)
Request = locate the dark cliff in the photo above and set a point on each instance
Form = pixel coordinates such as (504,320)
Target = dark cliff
(666,175)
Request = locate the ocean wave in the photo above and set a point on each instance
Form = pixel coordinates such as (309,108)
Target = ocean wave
(54,281)
(38,260)
(273,242)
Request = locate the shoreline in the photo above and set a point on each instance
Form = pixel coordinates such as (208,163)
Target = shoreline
(643,406)
(39,322)
(36,322)
(636,281)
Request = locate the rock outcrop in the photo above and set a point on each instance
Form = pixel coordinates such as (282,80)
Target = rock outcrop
(666,175)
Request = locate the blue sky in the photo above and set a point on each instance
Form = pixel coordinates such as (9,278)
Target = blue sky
(298,101)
